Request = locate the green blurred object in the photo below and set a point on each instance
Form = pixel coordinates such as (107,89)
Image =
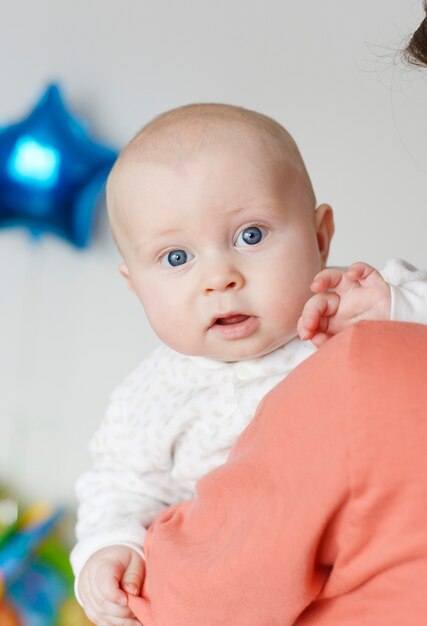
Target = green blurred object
(9,513)
(54,553)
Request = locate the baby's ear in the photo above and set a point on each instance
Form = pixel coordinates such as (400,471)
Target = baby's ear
(324,220)
(123,269)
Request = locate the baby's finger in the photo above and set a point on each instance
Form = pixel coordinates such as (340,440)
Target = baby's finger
(115,611)
(133,576)
(92,603)
(320,305)
(307,327)
(91,613)
(315,313)
(106,589)
(361,271)
(328,278)
(319,339)
(107,613)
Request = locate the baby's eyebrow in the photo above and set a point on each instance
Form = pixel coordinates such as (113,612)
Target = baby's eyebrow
(164,233)
(151,241)
(151,237)
(237,210)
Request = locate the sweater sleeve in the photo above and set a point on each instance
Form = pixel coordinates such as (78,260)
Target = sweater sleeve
(129,481)
(319,515)
(408,287)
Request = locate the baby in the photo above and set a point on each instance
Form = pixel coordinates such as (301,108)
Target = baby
(215,216)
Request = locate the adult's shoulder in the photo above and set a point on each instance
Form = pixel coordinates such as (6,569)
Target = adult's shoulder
(367,353)
(358,405)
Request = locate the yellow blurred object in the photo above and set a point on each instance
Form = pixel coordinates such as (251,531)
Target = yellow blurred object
(35,514)
(70,614)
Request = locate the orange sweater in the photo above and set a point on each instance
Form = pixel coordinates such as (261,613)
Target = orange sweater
(319,517)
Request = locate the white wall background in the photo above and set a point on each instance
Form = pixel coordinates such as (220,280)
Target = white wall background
(69,330)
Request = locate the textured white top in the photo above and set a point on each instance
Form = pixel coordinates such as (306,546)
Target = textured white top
(177,417)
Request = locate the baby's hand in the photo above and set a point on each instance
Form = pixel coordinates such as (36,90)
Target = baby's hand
(343,297)
(105,580)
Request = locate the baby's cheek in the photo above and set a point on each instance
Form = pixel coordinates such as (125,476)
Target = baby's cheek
(287,303)
(159,315)
(178,331)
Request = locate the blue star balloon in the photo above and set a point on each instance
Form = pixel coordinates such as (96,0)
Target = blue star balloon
(51,172)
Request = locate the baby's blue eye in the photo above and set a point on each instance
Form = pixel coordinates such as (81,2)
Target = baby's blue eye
(251,235)
(174,258)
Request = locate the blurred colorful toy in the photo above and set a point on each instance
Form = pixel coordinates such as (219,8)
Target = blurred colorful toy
(51,172)
(8,616)
(36,580)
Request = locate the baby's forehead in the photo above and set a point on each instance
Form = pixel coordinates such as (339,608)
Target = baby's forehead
(221,170)
(181,132)
(184,155)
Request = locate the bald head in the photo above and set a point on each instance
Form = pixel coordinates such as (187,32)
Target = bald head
(174,136)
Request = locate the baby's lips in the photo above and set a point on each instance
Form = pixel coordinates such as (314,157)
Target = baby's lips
(234,317)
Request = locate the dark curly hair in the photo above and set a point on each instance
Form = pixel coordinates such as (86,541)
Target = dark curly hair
(416,51)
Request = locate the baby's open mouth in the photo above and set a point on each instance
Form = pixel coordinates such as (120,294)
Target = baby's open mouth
(233,326)
(231,319)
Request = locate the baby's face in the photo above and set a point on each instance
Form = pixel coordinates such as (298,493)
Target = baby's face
(220,250)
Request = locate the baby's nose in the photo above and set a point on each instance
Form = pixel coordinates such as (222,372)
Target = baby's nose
(222,279)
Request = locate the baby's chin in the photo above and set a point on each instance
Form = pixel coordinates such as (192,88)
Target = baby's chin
(239,350)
